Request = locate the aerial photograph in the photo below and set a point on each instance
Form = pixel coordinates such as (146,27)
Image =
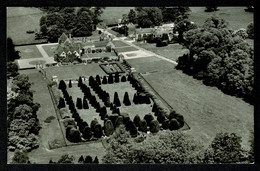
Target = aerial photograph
(130,85)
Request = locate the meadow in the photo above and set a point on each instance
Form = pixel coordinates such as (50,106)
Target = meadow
(28,52)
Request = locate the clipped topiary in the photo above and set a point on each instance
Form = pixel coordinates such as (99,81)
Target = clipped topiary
(93,123)
(165,124)
(110,79)
(61,103)
(116,100)
(62,85)
(126,117)
(82,126)
(85,104)
(79,103)
(126,100)
(96,160)
(104,80)
(98,131)
(148,117)
(70,84)
(88,159)
(119,121)
(98,79)
(108,128)
(143,126)
(113,118)
(87,133)
(117,80)
(135,99)
(154,126)
(137,120)
(103,112)
(173,124)
(123,79)
(160,117)
(81,159)
(80,82)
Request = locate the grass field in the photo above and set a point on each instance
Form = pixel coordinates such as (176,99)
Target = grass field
(28,52)
(125,49)
(49,49)
(172,51)
(206,109)
(20,20)
(235,16)
(73,71)
(119,43)
(115,12)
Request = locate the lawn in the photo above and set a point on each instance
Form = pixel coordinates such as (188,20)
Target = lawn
(20,20)
(172,51)
(115,12)
(125,49)
(106,54)
(28,52)
(119,43)
(49,49)
(235,16)
(74,71)
(206,109)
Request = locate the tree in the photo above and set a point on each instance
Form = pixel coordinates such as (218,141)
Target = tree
(74,135)
(250,30)
(108,128)
(225,148)
(12,54)
(93,123)
(211,8)
(80,82)
(132,16)
(117,78)
(171,14)
(130,126)
(126,100)
(83,26)
(96,160)
(20,157)
(182,26)
(87,133)
(70,84)
(119,121)
(81,159)
(137,120)
(85,104)
(88,159)
(104,80)
(65,159)
(116,100)
(61,103)
(154,126)
(149,16)
(12,69)
(110,79)
(98,131)
(62,85)
(103,112)
(21,84)
(143,126)
(44,30)
(165,124)
(123,79)
(54,32)
(148,118)
(98,79)
(173,124)
(161,117)
(154,107)
(79,103)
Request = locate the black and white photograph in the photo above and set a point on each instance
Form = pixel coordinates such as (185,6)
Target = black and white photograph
(130,85)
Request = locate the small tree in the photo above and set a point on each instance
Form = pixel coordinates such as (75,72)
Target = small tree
(137,120)
(66,159)
(117,80)
(61,103)
(154,126)
(148,117)
(123,79)
(87,133)
(103,112)
(119,121)
(173,124)
(126,100)
(85,104)
(79,103)
(70,84)
(98,79)
(62,85)
(81,159)
(116,100)
(98,131)
(88,159)
(135,99)
(80,82)
(104,80)
(96,160)
(165,124)
(74,135)
(108,128)
(143,126)
(154,107)
(93,123)
(110,79)
(20,157)
(161,117)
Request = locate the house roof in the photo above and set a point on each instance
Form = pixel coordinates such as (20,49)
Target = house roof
(101,43)
(63,38)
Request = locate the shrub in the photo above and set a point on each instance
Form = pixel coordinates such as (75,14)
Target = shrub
(154,126)
(98,131)
(74,135)
(135,99)
(126,117)
(126,100)
(161,117)
(103,112)
(154,107)
(49,119)
(81,159)
(108,128)
(250,30)
(87,133)
(173,124)
(96,160)
(116,100)
(148,118)
(82,126)
(85,104)
(113,118)
(117,78)
(110,79)
(123,79)
(143,126)
(20,157)
(61,103)
(70,84)
(98,79)
(104,80)
(80,82)
(79,103)
(93,123)
(165,124)
(119,121)
(66,159)
(62,85)
(88,159)
(130,126)
(137,120)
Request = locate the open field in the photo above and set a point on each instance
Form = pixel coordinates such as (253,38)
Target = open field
(115,12)
(206,109)
(20,20)
(235,16)
(49,49)
(172,51)
(27,52)
(119,43)
(72,71)
(125,49)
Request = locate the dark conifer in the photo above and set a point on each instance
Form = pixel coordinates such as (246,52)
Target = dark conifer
(126,100)
(104,80)
(70,84)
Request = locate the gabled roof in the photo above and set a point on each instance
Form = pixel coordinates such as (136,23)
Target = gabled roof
(101,43)
(63,38)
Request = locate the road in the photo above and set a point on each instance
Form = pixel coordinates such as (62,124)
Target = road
(130,43)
